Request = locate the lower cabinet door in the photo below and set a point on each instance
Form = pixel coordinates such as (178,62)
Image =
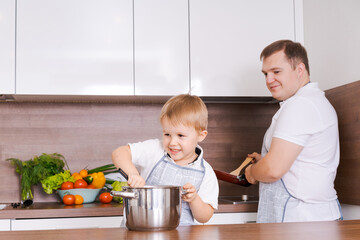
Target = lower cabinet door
(5,224)
(65,223)
(232,218)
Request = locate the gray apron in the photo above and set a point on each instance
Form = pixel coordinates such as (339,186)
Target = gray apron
(168,173)
(272,203)
(274,198)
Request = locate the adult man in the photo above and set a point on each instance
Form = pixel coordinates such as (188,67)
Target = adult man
(300,153)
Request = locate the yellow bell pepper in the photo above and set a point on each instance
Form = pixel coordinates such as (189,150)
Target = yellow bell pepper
(98,179)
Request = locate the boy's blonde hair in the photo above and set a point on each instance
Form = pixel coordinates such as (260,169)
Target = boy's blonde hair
(186,109)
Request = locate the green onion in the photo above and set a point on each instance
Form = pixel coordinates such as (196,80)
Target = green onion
(105,169)
(110,181)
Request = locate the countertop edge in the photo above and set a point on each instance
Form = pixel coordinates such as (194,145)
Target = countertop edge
(59,210)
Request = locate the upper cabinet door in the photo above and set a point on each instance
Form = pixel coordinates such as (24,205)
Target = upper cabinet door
(7,46)
(226,39)
(161,49)
(82,47)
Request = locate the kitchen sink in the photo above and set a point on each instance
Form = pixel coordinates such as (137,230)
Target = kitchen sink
(243,199)
(2,206)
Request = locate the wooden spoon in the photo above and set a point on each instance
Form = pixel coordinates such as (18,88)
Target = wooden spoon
(246,162)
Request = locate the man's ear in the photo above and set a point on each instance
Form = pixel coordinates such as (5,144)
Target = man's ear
(300,69)
(202,135)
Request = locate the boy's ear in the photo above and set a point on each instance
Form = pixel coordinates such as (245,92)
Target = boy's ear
(202,135)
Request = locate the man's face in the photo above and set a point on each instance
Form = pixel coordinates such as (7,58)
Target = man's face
(281,79)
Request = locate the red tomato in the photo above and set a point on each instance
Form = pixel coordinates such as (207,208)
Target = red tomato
(69,199)
(80,183)
(67,185)
(91,186)
(105,197)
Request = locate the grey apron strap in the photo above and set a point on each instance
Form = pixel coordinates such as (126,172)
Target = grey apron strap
(341,215)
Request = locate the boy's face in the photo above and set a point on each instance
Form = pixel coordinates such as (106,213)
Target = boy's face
(180,141)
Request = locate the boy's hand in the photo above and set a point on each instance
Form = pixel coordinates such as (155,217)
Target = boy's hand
(191,193)
(135,180)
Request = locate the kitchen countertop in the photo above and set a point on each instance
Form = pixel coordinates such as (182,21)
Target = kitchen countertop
(97,209)
(344,230)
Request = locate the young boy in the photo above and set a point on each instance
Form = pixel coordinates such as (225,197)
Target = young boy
(178,160)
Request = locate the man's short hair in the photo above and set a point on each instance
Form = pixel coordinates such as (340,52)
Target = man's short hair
(294,52)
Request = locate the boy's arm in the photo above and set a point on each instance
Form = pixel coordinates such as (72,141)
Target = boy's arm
(201,211)
(122,158)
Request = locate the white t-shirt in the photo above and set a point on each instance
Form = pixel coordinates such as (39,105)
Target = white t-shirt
(146,154)
(309,120)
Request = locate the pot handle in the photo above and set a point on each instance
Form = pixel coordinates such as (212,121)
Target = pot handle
(124,194)
(183,191)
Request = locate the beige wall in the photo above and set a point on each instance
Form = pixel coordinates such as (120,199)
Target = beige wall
(332,38)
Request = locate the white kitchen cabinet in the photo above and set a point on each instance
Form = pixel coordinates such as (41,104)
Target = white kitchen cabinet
(232,218)
(350,211)
(332,38)
(161,47)
(227,37)
(67,47)
(146,47)
(7,46)
(5,224)
(66,223)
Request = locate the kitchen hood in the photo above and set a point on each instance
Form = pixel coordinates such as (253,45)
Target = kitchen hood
(125,99)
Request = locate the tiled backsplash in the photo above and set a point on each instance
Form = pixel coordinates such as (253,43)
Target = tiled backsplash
(346,101)
(87,133)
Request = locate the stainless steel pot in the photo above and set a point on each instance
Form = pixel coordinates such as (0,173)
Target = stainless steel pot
(151,208)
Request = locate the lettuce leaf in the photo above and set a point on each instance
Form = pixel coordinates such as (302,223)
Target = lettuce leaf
(54,182)
(117,186)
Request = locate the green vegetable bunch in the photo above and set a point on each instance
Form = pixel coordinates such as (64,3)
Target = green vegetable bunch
(54,182)
(33,171)
(106,169)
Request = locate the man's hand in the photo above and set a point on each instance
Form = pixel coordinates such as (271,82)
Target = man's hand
(275,164)
(248,175)
(256,156)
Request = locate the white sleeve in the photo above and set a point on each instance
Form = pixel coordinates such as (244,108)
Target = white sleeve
(145,155)
(298,121)
(209,188)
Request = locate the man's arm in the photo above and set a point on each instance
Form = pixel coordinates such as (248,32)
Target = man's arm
(275,163)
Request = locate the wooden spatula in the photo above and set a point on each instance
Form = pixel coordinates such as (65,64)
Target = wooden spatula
(246,162)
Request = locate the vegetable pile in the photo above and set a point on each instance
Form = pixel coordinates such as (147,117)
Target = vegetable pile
(33,171)
(52,171)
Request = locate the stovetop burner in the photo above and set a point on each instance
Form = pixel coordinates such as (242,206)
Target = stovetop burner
(239,199)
